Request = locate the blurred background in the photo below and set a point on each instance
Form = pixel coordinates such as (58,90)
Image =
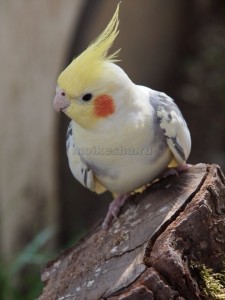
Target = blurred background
(175,46)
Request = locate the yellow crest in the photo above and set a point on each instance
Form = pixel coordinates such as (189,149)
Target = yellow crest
(87,66)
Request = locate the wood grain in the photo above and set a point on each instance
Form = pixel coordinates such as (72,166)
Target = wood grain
(137,254)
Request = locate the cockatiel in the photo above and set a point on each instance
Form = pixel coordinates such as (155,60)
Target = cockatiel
(121,135)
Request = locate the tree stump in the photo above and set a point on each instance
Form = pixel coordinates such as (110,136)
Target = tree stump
(150,250)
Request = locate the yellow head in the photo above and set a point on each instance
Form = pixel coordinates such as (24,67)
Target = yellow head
(88,84)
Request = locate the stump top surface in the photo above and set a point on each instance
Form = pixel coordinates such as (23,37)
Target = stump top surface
(104,262)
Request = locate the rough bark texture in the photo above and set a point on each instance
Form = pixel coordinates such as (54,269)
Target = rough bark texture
(149,252)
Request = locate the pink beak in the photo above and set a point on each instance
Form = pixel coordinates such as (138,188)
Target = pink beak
(60,102)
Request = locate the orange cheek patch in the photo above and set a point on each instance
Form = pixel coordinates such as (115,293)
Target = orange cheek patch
(104,106)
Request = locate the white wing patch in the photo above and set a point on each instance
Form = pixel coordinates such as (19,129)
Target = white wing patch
(174,127)
(77,166)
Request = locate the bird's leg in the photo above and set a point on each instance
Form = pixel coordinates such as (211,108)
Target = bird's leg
(174,171)
(114,209)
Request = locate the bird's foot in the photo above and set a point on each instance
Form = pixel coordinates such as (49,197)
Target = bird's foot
(175,171)
(114,209)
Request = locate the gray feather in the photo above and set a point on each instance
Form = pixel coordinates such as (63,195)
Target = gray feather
(172,124)
(78,167)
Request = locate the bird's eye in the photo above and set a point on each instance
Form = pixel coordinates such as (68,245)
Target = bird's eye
(87,97)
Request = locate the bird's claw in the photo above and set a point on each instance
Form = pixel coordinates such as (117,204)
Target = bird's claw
(114,209)
(175,171)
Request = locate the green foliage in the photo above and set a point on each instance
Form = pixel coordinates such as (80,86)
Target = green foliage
(214,283)
(20,278)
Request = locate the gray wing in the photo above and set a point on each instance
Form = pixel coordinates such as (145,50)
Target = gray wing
(173,125)
(77,166)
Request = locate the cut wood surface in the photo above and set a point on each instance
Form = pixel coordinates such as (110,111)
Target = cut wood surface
(149,251)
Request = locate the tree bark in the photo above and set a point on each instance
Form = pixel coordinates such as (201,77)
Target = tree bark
(150,250)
